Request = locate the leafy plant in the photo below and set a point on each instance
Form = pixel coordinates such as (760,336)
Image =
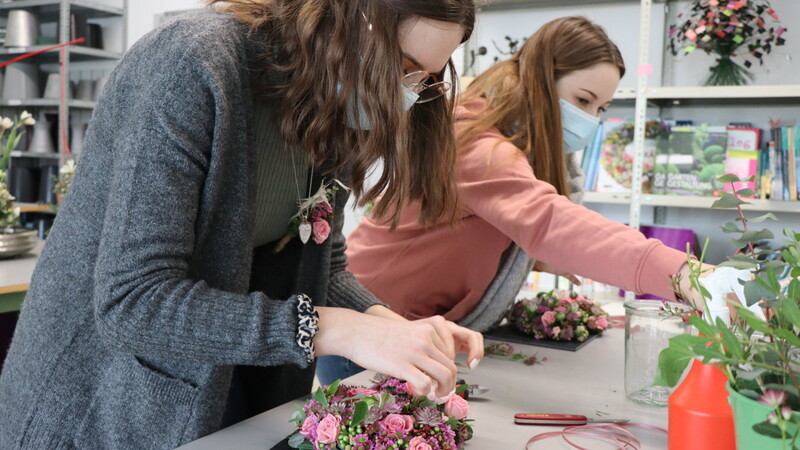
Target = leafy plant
(761,358)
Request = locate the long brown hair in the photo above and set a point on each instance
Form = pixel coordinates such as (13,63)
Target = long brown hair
(335,50)
(522,101)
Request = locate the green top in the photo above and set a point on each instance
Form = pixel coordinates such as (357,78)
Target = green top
(280,184)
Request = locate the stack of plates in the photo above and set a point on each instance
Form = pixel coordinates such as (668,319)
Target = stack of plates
(16,241)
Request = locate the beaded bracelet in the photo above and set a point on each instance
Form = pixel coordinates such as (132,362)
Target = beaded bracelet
(307,325)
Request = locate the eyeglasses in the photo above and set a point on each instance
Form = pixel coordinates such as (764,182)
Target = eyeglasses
(425,85)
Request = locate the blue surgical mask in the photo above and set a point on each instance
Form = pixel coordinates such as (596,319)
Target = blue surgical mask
(409,99)
(579,126)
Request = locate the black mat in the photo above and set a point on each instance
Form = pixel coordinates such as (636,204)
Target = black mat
(282,445)
(508,333)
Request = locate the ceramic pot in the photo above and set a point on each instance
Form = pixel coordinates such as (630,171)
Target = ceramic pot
(748,412)
(52,89)
(85,90)
(42,140)
(17,241)
(22,29)
(21,81)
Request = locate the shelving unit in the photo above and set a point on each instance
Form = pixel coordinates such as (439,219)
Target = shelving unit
(38,169)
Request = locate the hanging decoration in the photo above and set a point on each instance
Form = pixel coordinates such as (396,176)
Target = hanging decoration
(731,30)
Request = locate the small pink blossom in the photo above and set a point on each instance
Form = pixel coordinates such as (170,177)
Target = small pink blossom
(418,443)
(457,407)
(602,322)
(328,429)
(548,318)
(773,398)
(352,392)
(398,423)
(321,229)
(309,425)
(410,389)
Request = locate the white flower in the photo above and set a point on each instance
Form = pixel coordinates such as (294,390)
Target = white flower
(29,121)
(69,167)
(25,116)
(6,123)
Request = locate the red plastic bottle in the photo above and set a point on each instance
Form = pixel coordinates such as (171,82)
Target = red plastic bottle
(700,417)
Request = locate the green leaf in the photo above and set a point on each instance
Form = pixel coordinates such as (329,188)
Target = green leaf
(728,178)
(767,429)
(782,387)
(755,292)
(727,201)
(746,192)
(702,326)
(731,343)
(760,219)
(731,227)
(753,321)
(790,310)
(332,388)
(296,439)
(461,388)
(306,445)
(319,396)
(749,374)
(671,364)
(739,264)
(793,291)
(359,413)
(752,236)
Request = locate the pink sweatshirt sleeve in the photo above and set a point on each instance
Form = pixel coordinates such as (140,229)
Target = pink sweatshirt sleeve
(498,185)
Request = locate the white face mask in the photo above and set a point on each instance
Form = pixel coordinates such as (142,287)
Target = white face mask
(409,99)
(579,126)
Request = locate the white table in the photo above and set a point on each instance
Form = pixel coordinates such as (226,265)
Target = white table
(588,382)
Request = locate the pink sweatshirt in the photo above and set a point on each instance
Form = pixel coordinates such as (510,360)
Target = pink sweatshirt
(445,270)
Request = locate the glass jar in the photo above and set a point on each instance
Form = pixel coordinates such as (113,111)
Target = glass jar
(647,331)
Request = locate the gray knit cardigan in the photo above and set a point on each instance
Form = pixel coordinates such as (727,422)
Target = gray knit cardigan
(148,292)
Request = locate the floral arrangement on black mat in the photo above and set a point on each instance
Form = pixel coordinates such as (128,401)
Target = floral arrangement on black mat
(747,29)
(559,316)
(388,415)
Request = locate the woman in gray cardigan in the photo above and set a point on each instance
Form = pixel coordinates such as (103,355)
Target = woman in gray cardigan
(160,309)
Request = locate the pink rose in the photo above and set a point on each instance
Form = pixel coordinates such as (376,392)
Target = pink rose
(457,407)
(548,318)
(602,322)
(410,389)
(321,229)
(309,425)
(328,429)
(418,443)
(398,423)
(352,392)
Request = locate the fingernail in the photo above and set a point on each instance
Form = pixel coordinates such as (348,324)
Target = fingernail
(474,363)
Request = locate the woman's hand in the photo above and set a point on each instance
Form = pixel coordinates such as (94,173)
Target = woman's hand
(409,350)
(456,338)
(540,266)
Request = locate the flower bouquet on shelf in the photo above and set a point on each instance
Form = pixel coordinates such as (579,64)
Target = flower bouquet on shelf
(9,215)
(759,350)
(558,315)
(729,29)
(388,415)
(63,180)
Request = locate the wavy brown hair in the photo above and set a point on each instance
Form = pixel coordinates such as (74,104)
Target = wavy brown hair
(334,50)
(522,97)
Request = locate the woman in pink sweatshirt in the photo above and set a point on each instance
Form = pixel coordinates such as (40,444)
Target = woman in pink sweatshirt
(516,124)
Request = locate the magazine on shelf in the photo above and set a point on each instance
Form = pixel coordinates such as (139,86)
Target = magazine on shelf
(692,162)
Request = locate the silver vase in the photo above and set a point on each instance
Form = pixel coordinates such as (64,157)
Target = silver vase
(52,89)
(85,90)
(22,29)
(41,140)
(77,136)
(21,81)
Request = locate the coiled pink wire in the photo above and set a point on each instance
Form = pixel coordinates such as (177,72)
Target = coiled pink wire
(608,432)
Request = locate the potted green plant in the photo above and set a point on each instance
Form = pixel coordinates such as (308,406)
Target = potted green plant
(14,240)
(760,357)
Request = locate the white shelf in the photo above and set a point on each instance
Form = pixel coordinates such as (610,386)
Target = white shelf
(46,103)
(76,53)
(47,10)
(724,92)
(679,201)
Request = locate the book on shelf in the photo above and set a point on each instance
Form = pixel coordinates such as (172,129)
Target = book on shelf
(692,161)
(615,164)
(742,157)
